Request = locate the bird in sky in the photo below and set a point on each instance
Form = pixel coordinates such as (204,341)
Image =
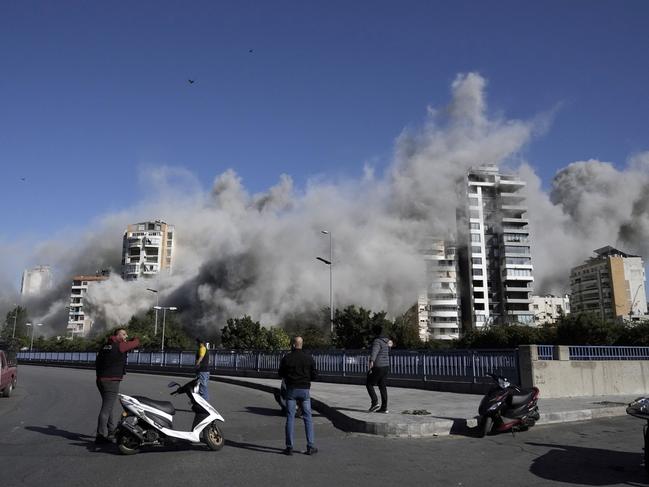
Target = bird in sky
(191,81)
(251,50)
(23,179)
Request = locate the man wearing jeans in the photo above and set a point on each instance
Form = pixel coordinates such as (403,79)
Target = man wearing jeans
(297,368)
(378,370)
(111,367)
(202,369)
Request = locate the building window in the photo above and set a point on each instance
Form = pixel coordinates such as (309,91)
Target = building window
(475,226)
(476,250)
(476,260)
(475,237)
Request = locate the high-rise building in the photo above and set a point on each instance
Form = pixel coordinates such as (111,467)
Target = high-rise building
(147,249)
(547,309)
(439,305)
(36,280)
(79,321)
(495,262)
(611,284)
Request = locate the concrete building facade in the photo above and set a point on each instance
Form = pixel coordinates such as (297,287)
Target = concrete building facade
(147,250)
(439,305)
(610,284)
(547,309)
(495,262)
(79,321)
(36,281)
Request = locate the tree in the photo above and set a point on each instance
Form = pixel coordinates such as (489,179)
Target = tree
(19,316)
(277,339)
(244,334)
(312,326)
(587,329)
(353,328)
(143,326)
(405,330)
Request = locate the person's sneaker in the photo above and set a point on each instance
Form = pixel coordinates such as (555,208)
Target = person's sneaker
(384,411)
(373,407)
(288,451)
(311,450)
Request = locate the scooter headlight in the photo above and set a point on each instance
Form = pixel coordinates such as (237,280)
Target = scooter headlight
(495,406)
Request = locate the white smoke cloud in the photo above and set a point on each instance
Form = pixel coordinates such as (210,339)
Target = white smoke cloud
(238,253)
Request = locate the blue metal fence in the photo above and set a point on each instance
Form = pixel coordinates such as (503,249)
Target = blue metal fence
(545,352)
(457,365)
(591,352)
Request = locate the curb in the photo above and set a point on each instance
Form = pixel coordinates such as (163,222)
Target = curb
(425,429)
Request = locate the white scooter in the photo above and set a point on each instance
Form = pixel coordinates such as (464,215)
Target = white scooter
(146,422)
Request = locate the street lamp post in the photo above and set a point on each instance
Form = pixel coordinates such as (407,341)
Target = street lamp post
(164,317)
(31,344)
(330,263)
(13,334)
(156,307)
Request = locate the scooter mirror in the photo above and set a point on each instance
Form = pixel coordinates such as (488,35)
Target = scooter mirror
(173,384)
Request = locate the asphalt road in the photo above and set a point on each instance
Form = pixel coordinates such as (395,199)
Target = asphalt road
(47,432)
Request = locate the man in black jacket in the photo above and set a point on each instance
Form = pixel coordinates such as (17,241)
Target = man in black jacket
(111,367)
(297,368)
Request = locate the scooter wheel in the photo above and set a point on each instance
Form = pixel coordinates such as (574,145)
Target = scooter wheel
(213,437)
(485,425)
(127,444)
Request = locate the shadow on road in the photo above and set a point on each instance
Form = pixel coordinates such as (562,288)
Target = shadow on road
(589,466)
(264,411)
(54,431)
(253,447)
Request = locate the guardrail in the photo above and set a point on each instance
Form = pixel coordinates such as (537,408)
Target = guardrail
(447,365)
(591,352)
(595,352)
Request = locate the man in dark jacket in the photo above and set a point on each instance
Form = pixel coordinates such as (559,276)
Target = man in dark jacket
(111,367)
(297,368)
(378,369)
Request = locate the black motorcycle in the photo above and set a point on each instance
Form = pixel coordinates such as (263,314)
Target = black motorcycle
(507,408)
(640,409)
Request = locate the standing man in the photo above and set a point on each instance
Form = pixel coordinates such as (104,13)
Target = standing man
(111,367)
(202,369)
(378,369)
(297,368)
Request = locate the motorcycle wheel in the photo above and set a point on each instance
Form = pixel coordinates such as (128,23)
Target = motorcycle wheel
(485,425)
(213,437)
(127,444)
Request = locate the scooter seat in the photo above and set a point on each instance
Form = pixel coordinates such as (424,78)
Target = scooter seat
(520,399)
(164,406)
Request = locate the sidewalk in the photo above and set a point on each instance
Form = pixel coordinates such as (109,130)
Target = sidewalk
(450,413)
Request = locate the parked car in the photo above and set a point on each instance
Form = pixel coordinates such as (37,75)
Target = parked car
(8,374)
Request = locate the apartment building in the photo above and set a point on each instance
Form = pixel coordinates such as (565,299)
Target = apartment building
(148,249)
(610,284)
(79,320)
(495,263)
(439,304)
(547,309)
(36,281)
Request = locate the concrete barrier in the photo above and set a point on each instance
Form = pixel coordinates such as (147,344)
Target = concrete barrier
(563,377)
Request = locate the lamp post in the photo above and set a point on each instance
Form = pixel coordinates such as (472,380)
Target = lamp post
(31,344)
(156,307)
(13,333)
(164,317)
(330,263)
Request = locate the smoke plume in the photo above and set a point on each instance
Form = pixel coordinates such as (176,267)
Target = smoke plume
(239,253)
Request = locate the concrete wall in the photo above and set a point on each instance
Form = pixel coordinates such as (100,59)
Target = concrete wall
(563,377)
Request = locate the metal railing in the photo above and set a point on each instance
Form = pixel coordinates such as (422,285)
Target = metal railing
(595,352)
(545,352)
(449,365)
(592,352)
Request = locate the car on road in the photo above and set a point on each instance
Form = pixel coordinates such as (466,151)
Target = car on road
(8,374)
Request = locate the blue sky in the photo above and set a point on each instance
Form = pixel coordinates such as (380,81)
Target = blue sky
(93,93)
